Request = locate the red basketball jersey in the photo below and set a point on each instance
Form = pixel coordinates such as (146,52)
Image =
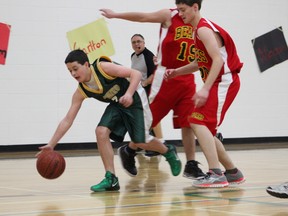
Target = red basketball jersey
(228,51)
(175,49)
(176,46)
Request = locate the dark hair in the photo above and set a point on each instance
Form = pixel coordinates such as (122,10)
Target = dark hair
(189,2)
(139,35)
(77,55)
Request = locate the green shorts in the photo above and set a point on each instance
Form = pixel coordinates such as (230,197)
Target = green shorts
(121,120)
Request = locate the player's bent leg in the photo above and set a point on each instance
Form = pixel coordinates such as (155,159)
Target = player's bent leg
(105,147)
(168,151)
(150,153)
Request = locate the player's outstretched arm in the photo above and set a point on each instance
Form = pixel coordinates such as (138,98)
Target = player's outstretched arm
(162,16)
(66,122)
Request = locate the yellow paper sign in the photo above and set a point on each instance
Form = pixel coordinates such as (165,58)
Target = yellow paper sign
(94,39)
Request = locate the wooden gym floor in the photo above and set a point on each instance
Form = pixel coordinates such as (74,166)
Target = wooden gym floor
(154,191)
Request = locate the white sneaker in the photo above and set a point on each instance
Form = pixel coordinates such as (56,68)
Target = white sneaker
(280,191)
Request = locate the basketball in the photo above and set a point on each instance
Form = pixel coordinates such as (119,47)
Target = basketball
(50,164)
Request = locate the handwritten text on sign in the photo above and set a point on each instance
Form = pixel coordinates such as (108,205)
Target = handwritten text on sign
(94,39)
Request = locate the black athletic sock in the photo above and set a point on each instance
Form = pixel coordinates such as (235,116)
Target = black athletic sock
(232,171)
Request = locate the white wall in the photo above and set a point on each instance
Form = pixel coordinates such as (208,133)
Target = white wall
(35,86)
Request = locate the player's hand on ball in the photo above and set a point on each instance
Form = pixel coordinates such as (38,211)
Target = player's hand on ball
(44,148)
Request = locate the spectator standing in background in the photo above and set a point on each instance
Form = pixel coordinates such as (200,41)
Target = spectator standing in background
(143,60)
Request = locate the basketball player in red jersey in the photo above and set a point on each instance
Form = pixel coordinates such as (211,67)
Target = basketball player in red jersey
(175,50)
(219,64)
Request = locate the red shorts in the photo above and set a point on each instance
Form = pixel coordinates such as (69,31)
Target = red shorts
(175,94)
(221,96)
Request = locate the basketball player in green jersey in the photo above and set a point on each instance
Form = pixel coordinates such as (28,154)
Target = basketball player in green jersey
(127,111)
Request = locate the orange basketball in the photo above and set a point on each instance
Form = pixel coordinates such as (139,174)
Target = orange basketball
(50,164)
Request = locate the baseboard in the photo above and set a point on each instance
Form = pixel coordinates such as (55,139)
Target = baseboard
(92,145)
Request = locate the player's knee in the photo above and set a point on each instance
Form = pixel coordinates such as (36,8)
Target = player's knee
(102,132)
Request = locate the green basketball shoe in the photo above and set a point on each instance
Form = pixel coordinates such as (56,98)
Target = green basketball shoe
(173,160)
(109,183)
